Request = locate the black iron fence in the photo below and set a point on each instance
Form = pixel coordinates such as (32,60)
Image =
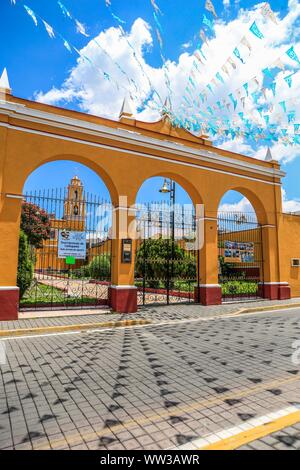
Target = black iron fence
(240,256)
(166,259)
(68,236)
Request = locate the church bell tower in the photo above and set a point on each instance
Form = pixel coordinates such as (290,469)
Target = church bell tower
(74,205)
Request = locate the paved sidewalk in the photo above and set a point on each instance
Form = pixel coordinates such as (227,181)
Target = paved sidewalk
(156,314)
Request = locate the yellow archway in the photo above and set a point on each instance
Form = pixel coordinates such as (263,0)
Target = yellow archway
(258,205)
(125,153)
(192,191)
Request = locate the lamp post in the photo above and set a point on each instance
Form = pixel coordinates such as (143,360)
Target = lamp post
(169,187)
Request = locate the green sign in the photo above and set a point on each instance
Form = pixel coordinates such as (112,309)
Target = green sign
(70,260)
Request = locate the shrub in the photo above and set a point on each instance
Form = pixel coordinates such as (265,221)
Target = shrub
(100,268)
(83,272)
(156,260)
(25,265)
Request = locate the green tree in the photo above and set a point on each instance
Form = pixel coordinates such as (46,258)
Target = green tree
(157,260)
(35,224)
(25,265)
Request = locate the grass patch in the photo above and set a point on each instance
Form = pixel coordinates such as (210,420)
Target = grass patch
(41,294)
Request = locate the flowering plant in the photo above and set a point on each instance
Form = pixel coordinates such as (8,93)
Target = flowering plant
(35,223)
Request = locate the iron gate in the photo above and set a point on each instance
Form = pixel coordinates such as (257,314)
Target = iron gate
(57,281)
(166,259)
(240,256)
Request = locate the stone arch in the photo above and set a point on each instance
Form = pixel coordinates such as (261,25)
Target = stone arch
(164,227)
(190,189)
(254,199)
(98,169)
(10,204)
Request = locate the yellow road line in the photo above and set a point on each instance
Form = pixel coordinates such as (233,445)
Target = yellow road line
(176,409)
(243,438)
(69,328)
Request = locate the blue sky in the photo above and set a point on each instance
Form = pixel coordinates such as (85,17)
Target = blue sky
(37,63)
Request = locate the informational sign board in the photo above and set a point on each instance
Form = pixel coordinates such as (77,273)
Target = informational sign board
(239,252)
(71,245)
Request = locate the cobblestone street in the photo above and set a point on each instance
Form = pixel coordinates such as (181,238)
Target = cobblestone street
(153,387)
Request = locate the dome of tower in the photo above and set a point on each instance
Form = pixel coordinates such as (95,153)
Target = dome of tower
(75,181)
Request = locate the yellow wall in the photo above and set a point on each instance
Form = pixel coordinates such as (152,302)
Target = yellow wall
(289,233)
(99,249)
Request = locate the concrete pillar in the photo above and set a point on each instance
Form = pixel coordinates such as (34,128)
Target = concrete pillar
(272,287)
(123,293)
(9,248)
(210,292)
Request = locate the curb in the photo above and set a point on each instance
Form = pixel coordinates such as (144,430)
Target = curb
(126,323)
(69,328)
(266,308)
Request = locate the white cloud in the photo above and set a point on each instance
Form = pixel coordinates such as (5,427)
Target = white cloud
(290,205)
(238,146)
(243,205)
(280,152)
(284,154)
(87,88)
(86,84)
(187,45)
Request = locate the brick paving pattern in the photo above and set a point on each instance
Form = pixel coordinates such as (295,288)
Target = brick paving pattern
(154,387)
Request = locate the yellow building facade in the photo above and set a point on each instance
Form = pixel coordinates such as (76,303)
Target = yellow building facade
(125,154)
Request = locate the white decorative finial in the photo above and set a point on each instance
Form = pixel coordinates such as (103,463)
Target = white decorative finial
(167,107)
(127,108)
(269,156)
(4,82)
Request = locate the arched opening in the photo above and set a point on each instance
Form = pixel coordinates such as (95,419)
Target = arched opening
(166,264)
(65,242)
(240,248)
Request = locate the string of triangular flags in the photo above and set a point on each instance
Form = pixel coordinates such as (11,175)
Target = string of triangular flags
(231,63)
(152,92)
(250,110)
(157,13)
(53,33)
(251,89)
(136,93)
(290,114)
(189,101)
(229,66)
(250,128)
